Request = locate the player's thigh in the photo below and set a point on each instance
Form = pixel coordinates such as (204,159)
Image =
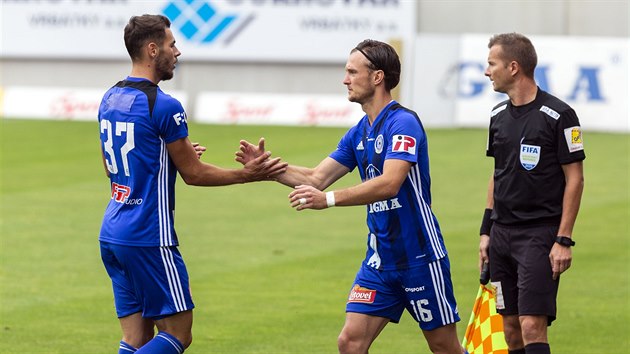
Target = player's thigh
(376,293)
(136,329)
(429,294)
(443,339)
(362,327)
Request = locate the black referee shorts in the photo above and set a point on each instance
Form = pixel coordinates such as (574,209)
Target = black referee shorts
(519,263)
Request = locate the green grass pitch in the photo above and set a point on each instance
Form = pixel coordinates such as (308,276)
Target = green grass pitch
(265,278)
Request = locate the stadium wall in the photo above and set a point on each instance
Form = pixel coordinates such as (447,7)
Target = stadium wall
(440,32)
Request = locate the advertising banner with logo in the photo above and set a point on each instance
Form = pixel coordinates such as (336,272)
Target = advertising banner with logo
(590,74)
(276,109)
(58,103)
(240,30)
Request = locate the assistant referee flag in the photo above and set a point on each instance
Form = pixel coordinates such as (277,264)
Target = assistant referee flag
(484,333)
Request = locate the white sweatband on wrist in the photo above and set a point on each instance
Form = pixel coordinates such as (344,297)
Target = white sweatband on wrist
(330,199)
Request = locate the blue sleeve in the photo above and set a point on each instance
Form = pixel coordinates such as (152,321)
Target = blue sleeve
(345,150)
(170,117)
(405,137)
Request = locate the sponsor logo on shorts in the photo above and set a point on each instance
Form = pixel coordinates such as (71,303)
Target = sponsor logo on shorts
(414,290)
(361,294)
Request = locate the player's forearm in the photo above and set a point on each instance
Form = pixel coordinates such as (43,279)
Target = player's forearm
(374,190)
(209,175)
(298,175)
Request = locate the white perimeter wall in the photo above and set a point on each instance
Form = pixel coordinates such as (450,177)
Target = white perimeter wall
(580,43)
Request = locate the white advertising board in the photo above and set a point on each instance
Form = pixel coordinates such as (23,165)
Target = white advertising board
(276,109)
(240,30)
(590,74)
(57,103)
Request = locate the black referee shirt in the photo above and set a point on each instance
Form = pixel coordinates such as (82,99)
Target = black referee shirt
(529,144)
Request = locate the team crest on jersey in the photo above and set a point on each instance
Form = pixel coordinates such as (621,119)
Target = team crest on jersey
(378,144)
(530,155)
(573,137)
(404,143)
(361,294)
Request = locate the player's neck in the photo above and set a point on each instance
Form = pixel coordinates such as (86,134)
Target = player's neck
(145,71)
(373,107)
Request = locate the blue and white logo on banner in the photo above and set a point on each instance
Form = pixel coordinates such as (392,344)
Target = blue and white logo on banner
(199,21)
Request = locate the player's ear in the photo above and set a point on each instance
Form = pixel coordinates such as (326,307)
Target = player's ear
(379,76)
(153,50)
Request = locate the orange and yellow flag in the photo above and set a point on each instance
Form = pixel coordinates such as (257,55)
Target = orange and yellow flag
(484,334)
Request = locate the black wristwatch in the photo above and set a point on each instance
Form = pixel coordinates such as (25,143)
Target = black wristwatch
(565,241)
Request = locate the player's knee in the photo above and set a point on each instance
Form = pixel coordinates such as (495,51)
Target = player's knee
(140,338)
(443,340)
(186,340)
(347,345)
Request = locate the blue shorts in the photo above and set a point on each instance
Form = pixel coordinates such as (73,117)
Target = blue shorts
(151,280)
(425,291)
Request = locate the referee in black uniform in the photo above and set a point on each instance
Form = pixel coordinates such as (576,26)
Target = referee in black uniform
(533,196)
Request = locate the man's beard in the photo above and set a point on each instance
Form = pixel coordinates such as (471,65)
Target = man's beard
(163,68)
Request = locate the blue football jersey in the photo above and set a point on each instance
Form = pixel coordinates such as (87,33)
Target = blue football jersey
(403,232)
(136,121)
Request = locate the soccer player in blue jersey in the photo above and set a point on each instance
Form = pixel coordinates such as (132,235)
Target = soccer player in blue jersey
(406,264)
(144,141)
(533,196)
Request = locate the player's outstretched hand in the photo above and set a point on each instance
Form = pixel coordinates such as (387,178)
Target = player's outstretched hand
(264,168)
(307,197)
(249,151)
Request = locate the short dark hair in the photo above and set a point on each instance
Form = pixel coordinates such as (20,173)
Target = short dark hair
(517,47)
(381,56)
(143,29)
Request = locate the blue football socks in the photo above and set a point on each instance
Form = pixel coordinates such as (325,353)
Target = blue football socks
(162,343)
(125,348)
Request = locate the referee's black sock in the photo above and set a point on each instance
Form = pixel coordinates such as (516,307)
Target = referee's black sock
(537,348)
(517,351)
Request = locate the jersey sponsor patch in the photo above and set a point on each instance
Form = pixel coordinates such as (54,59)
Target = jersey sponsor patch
(361,294)
(404,143)
(120,193)
(550,112)
(573,137)
(530,155)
